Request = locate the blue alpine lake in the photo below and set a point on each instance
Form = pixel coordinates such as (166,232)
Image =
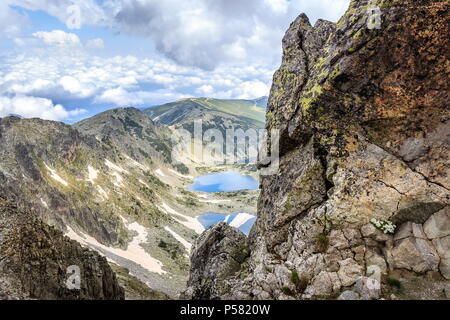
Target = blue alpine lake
(242,221)
(224,182)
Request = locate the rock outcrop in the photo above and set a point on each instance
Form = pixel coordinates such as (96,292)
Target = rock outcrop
(35,257)
(219,253)
(362,189)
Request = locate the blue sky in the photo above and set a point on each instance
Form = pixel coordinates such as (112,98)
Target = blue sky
(140,52)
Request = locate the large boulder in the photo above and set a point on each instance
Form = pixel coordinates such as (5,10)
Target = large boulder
(368,288)
(217,254)
(349,271)
(415,254)
(438,225)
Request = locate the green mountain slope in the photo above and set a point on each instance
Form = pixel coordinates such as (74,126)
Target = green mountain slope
(215,112)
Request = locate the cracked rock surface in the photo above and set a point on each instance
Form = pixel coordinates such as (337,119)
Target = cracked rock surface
(365,132)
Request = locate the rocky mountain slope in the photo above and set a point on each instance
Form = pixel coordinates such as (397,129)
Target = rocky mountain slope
(241,117)
(132,132)
(215,113)
(101,185)
(34,259)
(108,183)
(362,191)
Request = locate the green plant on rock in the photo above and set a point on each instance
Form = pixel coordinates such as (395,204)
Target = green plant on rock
(268,269)
(288,205)
(336,72)
(383,225)
(300,282)
(322,242)
(310,97)
(358,33)
(287,291)
(295,279)
(320,63)
(393,282)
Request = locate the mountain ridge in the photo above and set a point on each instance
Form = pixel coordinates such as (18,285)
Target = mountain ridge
(215,113)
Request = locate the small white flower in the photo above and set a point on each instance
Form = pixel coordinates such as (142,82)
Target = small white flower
(383,225)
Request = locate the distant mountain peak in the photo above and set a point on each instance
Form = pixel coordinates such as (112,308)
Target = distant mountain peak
(184,110)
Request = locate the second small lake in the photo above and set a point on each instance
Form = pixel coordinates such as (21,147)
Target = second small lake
(242,221)
(224,182)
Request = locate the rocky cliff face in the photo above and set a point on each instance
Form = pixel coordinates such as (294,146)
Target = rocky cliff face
(98,183)
(130,131)
(363,185)
(34,258)
(52,168)
(220,253)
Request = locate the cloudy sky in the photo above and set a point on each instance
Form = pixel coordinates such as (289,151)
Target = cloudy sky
(69,59)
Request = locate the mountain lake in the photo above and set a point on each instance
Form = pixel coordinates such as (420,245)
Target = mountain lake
(226,182)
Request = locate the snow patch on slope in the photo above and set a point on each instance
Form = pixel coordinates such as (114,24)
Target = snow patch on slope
(136,164)
(102,192)
(45,204)
(143,183)
(240,219)
(115,167)
(189,222)
(186,244)
(134,251)
(215,200)
(92,174)
(55,176)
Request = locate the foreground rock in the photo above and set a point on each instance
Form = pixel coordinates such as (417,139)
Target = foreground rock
(218,254)
(34,259)
(362,190)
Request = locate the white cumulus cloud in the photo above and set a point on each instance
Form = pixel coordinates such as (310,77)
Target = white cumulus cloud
(120,97)
(95,44)
(200,33)
(205,89)
(11,21)
(206,33)
(33,107)
(58,37)
(123,98)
